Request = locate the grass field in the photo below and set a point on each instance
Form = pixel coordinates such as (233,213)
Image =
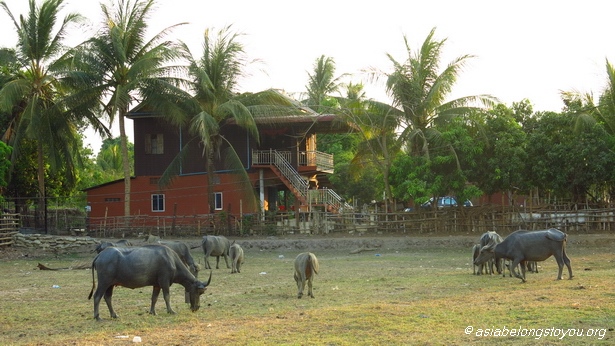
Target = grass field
(416,295)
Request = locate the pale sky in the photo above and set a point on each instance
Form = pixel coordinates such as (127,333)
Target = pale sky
(524,49)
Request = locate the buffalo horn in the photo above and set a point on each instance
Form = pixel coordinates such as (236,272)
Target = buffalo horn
(208,280)
(490,246)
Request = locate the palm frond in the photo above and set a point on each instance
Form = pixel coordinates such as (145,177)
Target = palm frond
(205,126)
(174,169)
(239,177)
(241,115)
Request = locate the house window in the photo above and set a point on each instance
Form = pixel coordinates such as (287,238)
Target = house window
(154,143)
(218,201)
(158,202)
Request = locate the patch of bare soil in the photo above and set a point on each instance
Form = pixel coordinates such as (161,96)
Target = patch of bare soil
(349,243)
(316,243)
(11,252)
(393,242)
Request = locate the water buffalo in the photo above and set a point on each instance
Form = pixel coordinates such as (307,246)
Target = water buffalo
(215,246)
(236,254)
(306,265)
(184,254)
(523,246)
(106,244)
(485,239)
(151,265)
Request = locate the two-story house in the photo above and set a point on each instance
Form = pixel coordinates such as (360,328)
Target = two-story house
(285,170)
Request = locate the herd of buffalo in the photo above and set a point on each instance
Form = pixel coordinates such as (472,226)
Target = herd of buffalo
(167,262)
(520,248)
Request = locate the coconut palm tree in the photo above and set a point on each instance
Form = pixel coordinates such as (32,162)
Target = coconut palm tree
(585,110)
(375,123)
(36,96)
(214,80)
(419,90)
(121,68)
(322,83)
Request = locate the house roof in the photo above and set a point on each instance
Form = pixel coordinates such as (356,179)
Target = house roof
(137,113)
(296,115)
(318,123)
(105,184)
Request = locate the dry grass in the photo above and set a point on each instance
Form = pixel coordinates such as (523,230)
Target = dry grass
(415,296)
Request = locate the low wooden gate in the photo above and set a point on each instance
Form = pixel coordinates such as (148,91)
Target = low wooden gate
(9,225)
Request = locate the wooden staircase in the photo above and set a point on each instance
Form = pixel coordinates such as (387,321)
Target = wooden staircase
(297,192)
(299,186)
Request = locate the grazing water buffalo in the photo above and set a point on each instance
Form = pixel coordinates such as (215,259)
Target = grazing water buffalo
(183,252)
(485,239)
(236,254)
(215,246)
(151,265)
(106,244)
(523,246)
(306,265)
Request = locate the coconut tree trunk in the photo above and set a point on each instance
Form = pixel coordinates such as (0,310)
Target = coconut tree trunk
(210,179)
(126,166)
(387,162)
(40,210)
(387,187)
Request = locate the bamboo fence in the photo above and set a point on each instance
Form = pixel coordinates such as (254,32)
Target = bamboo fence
(462,220)
(9,226)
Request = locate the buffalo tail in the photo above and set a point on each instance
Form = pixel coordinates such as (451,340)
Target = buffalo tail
(311,266)
(93,283)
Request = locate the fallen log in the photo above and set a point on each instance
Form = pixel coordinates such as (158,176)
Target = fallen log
(81,266)
(43,267)
(363,248)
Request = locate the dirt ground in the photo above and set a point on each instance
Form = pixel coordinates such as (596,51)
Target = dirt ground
(346,243)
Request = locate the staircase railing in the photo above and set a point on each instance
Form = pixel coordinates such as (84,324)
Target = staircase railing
(281,160)
(328,197)
(288,171)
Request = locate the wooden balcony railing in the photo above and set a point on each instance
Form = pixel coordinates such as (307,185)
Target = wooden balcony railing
(322,161)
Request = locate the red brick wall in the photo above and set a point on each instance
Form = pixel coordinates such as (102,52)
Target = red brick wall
(186,196)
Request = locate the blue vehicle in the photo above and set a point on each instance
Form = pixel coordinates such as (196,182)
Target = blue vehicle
(445,202)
